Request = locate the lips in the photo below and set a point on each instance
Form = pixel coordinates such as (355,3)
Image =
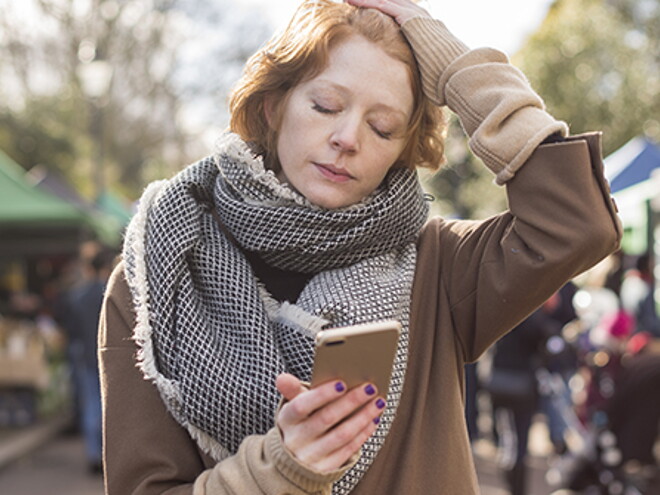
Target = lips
(333,173)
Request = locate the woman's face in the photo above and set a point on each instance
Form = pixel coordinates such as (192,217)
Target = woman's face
(341,131)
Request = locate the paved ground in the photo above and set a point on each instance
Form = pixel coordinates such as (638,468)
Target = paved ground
(58,468)
(490,477)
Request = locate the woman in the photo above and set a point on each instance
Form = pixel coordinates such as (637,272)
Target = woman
(310,216)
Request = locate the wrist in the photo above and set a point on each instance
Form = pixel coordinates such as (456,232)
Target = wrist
(297,472)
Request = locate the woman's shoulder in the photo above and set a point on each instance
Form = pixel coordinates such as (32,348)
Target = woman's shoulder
(118,317)
(117,287)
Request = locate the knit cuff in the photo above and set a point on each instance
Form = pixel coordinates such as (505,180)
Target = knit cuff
(507,150)
(503,116)
(296,472)
(435,48)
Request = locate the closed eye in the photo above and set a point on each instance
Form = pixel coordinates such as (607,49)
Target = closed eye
(322,109)
(382,134)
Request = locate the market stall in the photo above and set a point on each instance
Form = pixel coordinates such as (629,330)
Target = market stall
(41,236)
(24,371)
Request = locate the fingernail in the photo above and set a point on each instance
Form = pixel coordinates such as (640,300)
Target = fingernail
(339,387)
(369,389)
(380,403)
(377,420)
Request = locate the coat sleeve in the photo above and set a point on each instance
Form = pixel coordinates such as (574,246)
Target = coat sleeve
(147,452)
(561,221)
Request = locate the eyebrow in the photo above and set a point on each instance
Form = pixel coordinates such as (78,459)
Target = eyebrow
(346,91)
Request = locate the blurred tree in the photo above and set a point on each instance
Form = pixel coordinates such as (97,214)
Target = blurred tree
(597,65)
(226,35)
(136,127)
(644,18)
(463,187)
(39,132)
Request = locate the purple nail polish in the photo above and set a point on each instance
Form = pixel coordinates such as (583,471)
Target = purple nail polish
(380,403)
(377,420)
(369,389)
(339,387)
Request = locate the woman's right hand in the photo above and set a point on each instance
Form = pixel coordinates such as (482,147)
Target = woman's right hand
(315,423)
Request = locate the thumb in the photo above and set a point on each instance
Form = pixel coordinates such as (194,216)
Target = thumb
(289,386)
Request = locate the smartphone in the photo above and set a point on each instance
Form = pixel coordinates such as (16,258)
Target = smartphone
(357,354)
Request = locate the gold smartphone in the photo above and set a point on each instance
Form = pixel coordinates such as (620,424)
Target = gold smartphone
(357,354)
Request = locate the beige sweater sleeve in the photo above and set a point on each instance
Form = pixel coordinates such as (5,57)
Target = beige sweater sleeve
(263,465)
(147,452)
(504,118)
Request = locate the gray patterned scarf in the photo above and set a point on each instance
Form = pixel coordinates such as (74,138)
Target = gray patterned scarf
(211,337)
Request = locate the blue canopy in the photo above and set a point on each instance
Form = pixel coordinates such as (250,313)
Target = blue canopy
(632,164)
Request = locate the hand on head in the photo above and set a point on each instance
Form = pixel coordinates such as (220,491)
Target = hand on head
(316,426)
(400,10)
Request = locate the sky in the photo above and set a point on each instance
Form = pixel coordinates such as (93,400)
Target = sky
(502,24)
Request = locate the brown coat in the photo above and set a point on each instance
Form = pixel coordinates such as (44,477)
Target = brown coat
(474,281)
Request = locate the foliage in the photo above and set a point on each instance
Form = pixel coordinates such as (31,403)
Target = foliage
(135,130)
(463,188)
(38,133)
(597,65)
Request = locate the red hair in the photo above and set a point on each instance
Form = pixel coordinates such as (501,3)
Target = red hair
(301,52)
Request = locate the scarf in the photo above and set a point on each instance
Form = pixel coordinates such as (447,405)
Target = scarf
(210,336)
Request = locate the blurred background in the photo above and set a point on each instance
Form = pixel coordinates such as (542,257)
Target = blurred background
(100,97)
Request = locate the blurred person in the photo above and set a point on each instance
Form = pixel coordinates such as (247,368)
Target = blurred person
(514,391)
(63,312)
(634,409)
(561,363)
(602,353)
(617,452)
(85,305)
(74,276)
(617,268)
(309,216)
(637,295)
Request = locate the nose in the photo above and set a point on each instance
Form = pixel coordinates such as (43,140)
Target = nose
(345,137)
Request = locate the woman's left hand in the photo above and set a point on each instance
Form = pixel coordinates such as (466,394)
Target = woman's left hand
(400,10)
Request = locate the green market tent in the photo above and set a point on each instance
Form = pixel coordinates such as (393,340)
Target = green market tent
(114,206)
(21,205)
(33,221)
(107,225)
